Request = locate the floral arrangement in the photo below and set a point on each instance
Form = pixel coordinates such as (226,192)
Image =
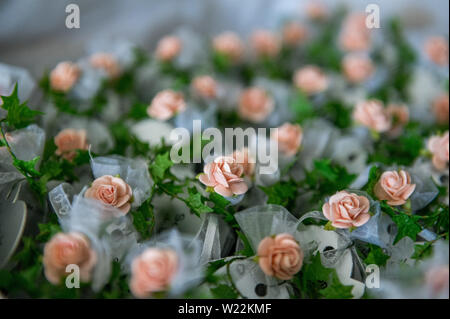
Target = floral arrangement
(87,177)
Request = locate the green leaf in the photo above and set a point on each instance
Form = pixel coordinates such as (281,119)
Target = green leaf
(422,251)
(374,176)
(280,193)
(301,107)
(224,292)
(196,202)
(47,231)
(160,166)
(376,256)
(27,168)
(247,250)
(336,290)
(323,167)
(144,219)
(19,115)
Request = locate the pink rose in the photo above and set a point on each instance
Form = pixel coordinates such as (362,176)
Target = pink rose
(225,176)
(265,43)
(166,104)
(205,86)
(437,279)
(438,146)
(346,210)
(255,105)
(65,249)
(153,271)
(357,68)
(289,138)
(440,109)
(280,256)
(395,187)
(111,191)
(229,44)
(315,10)
(355,36)
(294,33)
(64,76)
(373,115)
(310,79)
(244,158)
(400,117)
(68,141)
(437,50)
(107,62)
(168,48)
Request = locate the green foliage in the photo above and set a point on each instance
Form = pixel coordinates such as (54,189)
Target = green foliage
(19,114)
(281,193)
(224,292)
(301,107)
(144,219)
(407,225)
(160,166)
(376,256)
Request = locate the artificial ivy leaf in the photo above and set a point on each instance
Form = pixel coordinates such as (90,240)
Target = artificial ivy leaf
(422,251)
(160,166)
(47,231)
(323,167)
(19,115)
(301,107)
(195,202)
(144,219)
(374,176)
(224,292)
(280,193)
(376,256)
(27,168)
(336,290)
(407,226)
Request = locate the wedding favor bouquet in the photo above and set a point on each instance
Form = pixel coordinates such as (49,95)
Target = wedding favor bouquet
(120,176)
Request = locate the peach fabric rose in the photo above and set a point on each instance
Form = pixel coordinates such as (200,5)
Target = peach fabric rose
(205,86)
(289,138)
(395,187)
(355,36)
(168,48)
(64,76)
(437,50)
(439,148)
(294,34)
(373,115)
(224,174)
(255,105)
(68,141)
(153,271)
(440,109)
(400,117)
(357,68)
(315,10)
(265,43)
(310,79)
(346,210)
(229,44)
(111,191)
(166,104)
(280,256)
(107,62)
(437,278)
(65,249)
(247,161)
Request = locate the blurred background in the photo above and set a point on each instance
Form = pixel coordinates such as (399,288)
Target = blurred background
(33,33)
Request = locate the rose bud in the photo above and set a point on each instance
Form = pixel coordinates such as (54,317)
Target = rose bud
(355,36)
(244,158)
(230,45)
(166,104)
(224,174)
(346,210)
(395,187)
(106,62)
(265,43)
(437,50)
(64,76)
(372,114)
(280,256)
(153,271)
(440,109)
(315,10)
(68,141)
(168,48)
(255,105)
(294,34)
(439,148)
(65,249)
(205,86)
(357,68)
(400,117)
(112,191)
(310,80)
(289,138)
